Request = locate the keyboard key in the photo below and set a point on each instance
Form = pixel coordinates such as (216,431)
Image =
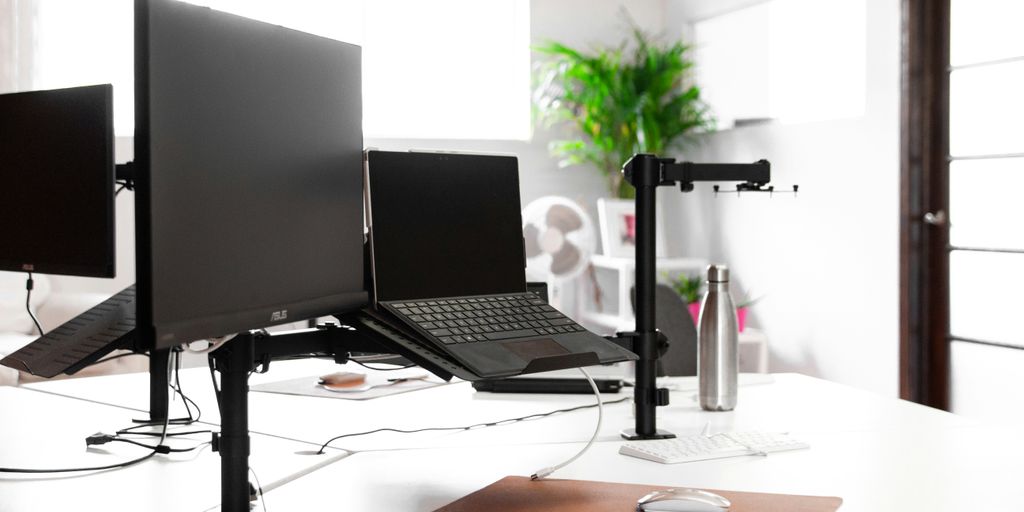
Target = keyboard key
(429,325)
(416,318)
(521,333)
(559,321)
(554,314)
(439,332)
(448,340)
(457,330)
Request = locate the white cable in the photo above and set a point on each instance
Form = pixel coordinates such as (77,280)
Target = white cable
(600,417)
(215,343)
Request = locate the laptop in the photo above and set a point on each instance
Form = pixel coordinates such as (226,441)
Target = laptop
(448,265)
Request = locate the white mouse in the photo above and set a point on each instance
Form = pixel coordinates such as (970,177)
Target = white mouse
(682,500)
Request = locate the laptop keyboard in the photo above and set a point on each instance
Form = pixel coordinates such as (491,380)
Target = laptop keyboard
(484,318)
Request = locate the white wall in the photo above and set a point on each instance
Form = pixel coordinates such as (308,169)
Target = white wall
(827,260)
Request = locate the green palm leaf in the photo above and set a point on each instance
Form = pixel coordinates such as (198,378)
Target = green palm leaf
(618,102)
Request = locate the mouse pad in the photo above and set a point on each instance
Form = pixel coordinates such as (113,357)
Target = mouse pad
(520,494)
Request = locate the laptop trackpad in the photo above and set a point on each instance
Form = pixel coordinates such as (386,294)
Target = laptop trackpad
(534,349)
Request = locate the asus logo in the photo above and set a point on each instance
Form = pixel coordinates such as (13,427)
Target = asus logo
(277,316)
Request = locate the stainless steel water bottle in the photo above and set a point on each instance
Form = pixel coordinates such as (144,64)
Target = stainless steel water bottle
(717,344)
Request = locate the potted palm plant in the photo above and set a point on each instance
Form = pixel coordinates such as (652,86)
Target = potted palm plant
(634,98)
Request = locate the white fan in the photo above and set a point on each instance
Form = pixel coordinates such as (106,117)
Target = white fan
(560,239)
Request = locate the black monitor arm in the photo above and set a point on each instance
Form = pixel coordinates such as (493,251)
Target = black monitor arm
(646,173)
(125,174)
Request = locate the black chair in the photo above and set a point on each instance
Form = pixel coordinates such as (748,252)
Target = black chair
(672,317)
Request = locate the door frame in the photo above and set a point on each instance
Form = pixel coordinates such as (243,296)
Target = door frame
(924,188)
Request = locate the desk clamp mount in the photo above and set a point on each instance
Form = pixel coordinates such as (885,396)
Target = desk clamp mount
(646,173)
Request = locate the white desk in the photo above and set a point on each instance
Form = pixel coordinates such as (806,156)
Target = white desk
(47,431)
(954,470)
(791,403)
(877,453)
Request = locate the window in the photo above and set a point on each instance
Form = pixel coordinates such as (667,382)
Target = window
(788,60)
(986,260)
(441,69)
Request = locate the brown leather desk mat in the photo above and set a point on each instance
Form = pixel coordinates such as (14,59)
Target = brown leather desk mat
(519,494)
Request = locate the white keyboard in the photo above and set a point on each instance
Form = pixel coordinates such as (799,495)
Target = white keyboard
(715,446)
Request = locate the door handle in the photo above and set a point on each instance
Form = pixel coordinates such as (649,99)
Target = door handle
(936,218)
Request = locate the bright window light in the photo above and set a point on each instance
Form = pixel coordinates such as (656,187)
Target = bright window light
(445,69)
(769,61)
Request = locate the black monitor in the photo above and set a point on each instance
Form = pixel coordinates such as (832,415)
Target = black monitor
(248,161)
(57,174)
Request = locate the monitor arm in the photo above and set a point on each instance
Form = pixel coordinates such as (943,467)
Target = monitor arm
(646,173)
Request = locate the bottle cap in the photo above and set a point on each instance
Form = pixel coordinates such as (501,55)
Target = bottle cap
(718,274)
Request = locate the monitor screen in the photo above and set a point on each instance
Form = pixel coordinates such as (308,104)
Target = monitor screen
(444,225)
(249,145)
(57,170)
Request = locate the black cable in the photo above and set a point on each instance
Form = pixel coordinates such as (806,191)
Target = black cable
(469,427)
(377,368)
(177,388)
(213,377)
(131,431)
(28,299)
(259,487)
(159,449)
(160,446)
(119,189)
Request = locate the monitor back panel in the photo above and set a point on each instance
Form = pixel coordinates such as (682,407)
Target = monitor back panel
(57,174)
(250,140)
(444,225)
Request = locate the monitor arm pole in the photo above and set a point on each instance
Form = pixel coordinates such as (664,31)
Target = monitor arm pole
(646,173)
(253,351)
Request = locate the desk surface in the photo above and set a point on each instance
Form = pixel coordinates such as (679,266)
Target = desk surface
(877,453)
(790,402)
(956,469)
(48,431)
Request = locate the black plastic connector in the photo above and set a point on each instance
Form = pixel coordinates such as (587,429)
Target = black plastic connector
(98,439)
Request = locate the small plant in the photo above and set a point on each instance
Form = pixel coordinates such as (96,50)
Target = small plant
(688,287)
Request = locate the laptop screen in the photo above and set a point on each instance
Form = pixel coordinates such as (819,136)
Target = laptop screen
(444,225)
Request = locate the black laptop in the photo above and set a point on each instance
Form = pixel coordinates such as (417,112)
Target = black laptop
(448,265)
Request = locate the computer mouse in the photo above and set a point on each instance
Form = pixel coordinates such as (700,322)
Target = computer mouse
(682,500)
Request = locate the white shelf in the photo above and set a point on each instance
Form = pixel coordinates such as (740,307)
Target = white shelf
(753,343)
(619,263)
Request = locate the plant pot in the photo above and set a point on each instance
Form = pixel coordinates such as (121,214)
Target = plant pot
(741,315)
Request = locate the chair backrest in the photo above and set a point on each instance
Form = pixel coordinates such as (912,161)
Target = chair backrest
(672,317)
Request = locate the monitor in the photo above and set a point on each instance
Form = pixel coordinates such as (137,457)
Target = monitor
(57,170)
(444,225)
(248,155)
